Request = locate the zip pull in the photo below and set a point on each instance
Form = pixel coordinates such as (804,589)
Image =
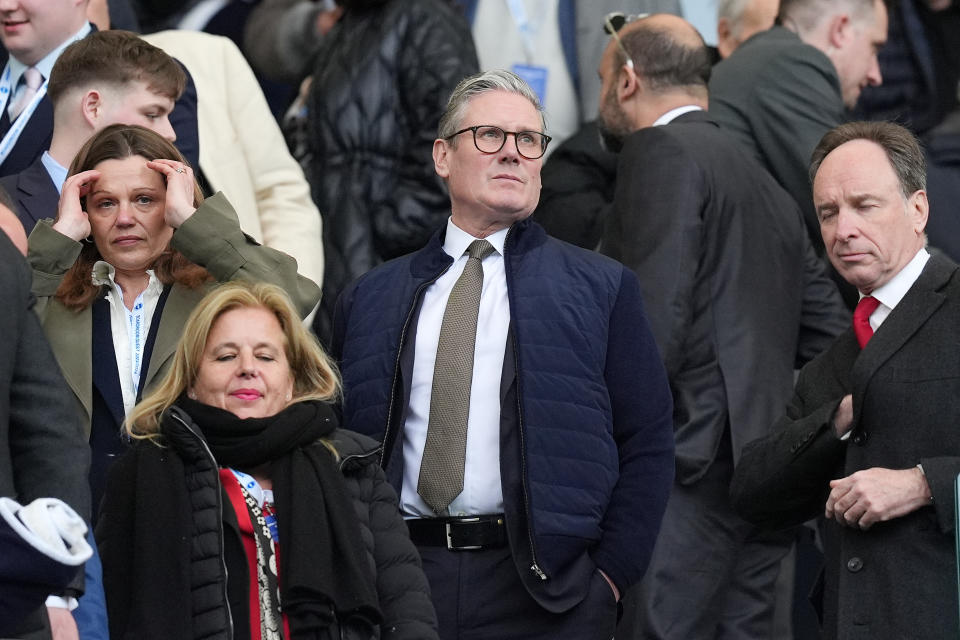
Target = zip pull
(538,571)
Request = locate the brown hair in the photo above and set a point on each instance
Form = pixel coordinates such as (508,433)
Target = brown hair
(117,142)
(901,146)
(116,58)
(314,375)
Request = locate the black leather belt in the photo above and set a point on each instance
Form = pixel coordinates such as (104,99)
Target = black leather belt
(469,533)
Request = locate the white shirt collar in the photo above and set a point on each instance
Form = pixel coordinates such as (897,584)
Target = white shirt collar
(891,293)
(673,114)
(104,273)
(457,240)
(45,66)
(57,172)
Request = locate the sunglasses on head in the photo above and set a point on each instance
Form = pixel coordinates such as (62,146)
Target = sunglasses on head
(613,22)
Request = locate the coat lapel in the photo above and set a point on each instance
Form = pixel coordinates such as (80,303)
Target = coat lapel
(71,342)
(921,301)
(72,339)
(175,313)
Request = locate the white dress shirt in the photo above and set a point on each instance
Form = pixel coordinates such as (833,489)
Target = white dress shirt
(482,493)
(56,171)
(890,294)
(673,114)
(129,328)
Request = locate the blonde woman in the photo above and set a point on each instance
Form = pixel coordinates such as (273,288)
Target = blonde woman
(242,511)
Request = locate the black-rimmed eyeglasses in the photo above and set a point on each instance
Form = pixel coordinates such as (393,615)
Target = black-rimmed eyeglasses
(490,139)
(613,22)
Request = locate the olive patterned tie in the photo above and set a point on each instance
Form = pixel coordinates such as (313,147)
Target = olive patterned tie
(441,469)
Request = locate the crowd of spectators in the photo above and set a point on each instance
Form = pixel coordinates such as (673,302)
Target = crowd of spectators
(479,319)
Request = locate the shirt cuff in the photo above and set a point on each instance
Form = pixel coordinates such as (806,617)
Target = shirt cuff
(57,602)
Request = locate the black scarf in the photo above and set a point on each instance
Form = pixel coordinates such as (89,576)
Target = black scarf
(323,566)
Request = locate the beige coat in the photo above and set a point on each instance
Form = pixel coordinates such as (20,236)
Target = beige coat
(242,151)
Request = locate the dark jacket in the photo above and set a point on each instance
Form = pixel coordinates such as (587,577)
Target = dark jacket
(34,193)
(586,433)
(777,96)
(896,580)
(736,296)
(167,576)
(579,179)
(381,82)
(43,451)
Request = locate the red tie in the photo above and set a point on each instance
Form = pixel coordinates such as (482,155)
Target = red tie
(861,319)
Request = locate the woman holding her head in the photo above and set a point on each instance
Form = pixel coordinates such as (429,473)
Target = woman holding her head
(242,511)
(133,249)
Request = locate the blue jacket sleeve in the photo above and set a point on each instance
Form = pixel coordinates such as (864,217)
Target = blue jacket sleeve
(643,429)
(91,613)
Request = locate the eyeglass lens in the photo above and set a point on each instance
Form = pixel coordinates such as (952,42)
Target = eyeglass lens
(490,139)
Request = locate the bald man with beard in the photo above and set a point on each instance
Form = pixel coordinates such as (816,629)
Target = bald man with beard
(736,298)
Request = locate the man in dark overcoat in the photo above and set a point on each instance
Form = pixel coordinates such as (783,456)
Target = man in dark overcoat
(870,439)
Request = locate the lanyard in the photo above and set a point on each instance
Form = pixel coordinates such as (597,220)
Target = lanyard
(528,30)
(136,325)
(17,126)
(267,584)
(261,496)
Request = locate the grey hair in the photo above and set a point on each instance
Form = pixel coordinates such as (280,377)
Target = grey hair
(732,10)
(483,82)
(901,146)
(808,14)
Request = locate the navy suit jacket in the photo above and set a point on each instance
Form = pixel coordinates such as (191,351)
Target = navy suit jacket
(34,193)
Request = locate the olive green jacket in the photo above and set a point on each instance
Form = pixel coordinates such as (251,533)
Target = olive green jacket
(211,238)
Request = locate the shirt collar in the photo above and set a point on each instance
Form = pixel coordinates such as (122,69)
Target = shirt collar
(58,172)
(457,240)
(891,293)
(45,66)
(673,114)
(104,274)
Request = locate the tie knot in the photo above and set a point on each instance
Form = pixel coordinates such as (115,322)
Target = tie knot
(861,319)
(33,78)
(480,249)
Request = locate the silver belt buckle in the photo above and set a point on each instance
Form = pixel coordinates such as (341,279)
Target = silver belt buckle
(450,546)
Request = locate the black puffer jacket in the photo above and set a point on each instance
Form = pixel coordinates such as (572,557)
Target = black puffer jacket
(168,540)
(381,82)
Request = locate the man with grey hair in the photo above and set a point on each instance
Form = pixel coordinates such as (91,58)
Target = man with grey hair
(518,392)
(870,439)
(782,91)
(738,20)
